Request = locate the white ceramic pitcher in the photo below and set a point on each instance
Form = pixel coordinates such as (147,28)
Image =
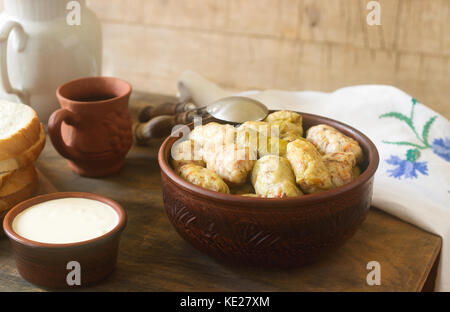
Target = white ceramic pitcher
(41,48)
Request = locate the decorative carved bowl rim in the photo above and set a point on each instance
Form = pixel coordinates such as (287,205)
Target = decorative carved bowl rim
(256,203)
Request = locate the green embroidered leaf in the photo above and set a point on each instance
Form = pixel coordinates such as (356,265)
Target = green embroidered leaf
(399,116)
(405,143)
(412,154)
(414,102)
(426,130)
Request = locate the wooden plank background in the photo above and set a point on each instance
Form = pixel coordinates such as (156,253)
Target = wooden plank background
(288,44)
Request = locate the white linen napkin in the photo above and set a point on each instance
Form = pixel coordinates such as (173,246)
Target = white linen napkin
(413,178)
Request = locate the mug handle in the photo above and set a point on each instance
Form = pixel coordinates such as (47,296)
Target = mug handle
(54,130)
(19,45)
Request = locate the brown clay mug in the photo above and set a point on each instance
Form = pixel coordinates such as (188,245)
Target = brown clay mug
(93,128)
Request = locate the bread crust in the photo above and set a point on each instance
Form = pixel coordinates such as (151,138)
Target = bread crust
(25,158)
(18,188)
(22,140)
(5,176)
(19,180)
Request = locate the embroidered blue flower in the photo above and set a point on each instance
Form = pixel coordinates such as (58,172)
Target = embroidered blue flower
(409,167)
(441,147)
(406,168)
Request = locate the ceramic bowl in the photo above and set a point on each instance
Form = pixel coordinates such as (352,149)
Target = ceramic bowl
(265,231)
(46,264)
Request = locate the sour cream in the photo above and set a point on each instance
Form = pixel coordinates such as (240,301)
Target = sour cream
(65,220)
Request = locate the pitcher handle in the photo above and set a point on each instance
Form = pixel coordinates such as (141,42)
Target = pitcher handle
(54,130)
(19,45)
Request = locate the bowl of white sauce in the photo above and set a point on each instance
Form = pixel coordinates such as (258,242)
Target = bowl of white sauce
(67,239)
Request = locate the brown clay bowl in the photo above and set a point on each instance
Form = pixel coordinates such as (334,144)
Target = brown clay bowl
(46,264)
(265,231)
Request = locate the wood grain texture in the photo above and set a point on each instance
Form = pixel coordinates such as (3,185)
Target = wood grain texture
(285,44)
(152,257)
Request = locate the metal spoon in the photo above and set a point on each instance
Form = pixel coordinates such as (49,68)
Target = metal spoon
(233,109)
(237,109)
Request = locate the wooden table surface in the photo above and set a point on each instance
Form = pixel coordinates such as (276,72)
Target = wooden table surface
(152,257)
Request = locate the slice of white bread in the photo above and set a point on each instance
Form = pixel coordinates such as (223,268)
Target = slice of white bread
(6,203)
(25,158)
(18,188)
(5,176)
(19,129)
(19,180)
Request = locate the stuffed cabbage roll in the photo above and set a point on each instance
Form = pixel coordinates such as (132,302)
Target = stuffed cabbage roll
(310,172)
(248,137)
(329,140)
(203,177)
(287,124)
(340,166)
(231,162)
(186,152)
(272,176)
(213,133)
(285,115)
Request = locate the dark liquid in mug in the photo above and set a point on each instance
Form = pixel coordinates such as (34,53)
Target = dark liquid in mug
(94,98)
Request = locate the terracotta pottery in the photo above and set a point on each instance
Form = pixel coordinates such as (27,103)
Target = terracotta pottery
(265,231)
(93,129)
(45,264)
